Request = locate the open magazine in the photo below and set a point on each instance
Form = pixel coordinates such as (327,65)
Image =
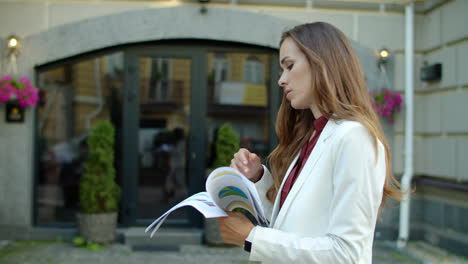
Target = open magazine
(226,189)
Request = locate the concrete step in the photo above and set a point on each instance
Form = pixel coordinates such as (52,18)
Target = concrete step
(430,254)
(163,239)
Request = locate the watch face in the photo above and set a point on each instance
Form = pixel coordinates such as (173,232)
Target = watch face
(247,245)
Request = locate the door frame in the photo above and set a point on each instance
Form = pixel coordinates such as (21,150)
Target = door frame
(196,50)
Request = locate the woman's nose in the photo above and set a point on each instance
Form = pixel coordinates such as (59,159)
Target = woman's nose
(281,81)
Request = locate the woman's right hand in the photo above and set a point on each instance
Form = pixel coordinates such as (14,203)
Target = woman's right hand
(248,164)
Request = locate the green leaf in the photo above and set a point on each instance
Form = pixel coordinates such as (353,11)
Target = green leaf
(79,241)
(93,246)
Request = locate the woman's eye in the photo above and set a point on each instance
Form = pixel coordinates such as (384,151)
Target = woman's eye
(290,66)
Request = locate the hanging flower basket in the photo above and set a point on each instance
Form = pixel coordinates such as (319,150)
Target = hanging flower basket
(387,103)
(20,90)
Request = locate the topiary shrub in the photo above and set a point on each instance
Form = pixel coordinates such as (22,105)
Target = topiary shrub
(226,145)
(99,193)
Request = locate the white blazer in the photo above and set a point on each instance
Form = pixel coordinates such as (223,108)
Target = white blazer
(329,215)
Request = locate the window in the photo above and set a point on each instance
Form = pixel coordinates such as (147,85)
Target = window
(77,95)
(253,70)
(160,82)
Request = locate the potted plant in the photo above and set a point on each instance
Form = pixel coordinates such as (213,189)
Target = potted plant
(226,145)
(17,94)
(387,103)
(99,193)
(20,91)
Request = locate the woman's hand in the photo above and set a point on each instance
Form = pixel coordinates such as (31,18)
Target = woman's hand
(248,164)
(235,228)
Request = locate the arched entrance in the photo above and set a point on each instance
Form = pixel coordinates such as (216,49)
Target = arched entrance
(166,100)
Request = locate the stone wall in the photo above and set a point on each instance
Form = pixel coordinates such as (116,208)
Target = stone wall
(440,129)
(441,122)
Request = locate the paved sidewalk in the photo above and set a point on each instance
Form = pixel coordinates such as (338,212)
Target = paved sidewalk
(38,252)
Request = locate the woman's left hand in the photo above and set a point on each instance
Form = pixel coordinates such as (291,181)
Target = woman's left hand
(235,228)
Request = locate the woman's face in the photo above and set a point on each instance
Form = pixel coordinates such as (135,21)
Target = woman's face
(296,78)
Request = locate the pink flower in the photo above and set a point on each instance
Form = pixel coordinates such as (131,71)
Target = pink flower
(5,78)
(386,103)
(26,93)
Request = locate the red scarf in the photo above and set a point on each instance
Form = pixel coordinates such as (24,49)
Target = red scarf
(318,124)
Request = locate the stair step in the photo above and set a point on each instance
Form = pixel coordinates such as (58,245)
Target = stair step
(165,239)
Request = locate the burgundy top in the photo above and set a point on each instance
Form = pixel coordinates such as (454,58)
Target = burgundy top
(318,124)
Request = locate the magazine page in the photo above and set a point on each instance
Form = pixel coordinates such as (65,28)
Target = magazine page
(200,201)
(227,189)
(231,190)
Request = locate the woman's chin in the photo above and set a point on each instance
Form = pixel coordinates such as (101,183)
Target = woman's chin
(297,106)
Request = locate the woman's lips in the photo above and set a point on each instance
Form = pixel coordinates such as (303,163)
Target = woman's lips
(287,91)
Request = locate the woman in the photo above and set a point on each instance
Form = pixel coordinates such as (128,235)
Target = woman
(330,174)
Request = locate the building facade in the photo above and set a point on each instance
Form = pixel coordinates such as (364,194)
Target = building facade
(157,67)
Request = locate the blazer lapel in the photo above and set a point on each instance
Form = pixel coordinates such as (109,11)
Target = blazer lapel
(305,173)
(276,205)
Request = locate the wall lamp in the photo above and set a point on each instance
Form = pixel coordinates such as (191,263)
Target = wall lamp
(13,44)
(384,56)
(203,8)
(13,50)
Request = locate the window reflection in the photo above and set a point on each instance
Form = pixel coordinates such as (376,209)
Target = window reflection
(238,94)
(77,95)
(254,70)
(160,87)
(165,88)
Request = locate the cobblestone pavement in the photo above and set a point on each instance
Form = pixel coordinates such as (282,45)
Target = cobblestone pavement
(36,252)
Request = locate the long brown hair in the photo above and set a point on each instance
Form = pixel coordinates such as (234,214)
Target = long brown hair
(339,89)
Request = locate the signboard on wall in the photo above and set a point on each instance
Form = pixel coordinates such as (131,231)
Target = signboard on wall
(14,113)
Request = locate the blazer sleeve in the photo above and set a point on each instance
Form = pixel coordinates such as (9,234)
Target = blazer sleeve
(265,182)
(358,180)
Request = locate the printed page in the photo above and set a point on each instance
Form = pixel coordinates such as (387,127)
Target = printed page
(200,201)
(231,190)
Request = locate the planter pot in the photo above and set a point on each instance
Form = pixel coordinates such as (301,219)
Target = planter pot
(100,228)
(212,234)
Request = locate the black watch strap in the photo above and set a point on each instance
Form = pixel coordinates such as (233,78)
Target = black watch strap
(247,245)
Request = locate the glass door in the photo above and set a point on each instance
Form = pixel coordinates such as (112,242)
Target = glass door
(164,123)
(162,165)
